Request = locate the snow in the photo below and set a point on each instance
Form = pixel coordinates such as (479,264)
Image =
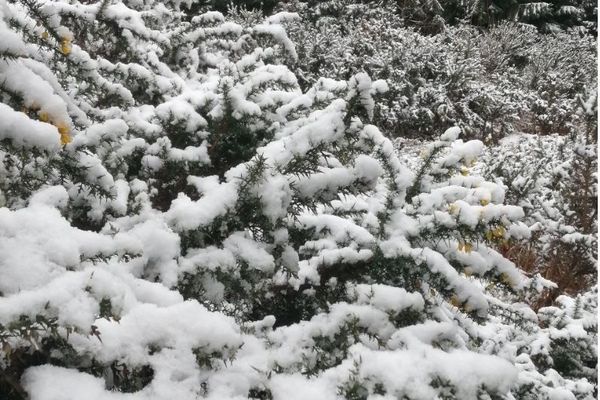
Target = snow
(387,298)
(396,370)
(451,134)
(275,195)
(297,387)
(560,394)
(37,93)
(186,214)
(278,33)
(319,257)
(24,132)
(160,249)
(54,196)
(47,382)
(37,243)
(249,251)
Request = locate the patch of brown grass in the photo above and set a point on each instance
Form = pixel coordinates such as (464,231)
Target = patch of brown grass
(565,264)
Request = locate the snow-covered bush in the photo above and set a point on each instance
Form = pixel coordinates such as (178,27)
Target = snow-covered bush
(432,16)
(559,357)
(491,83)
(430,81)
(554,178)
(196,224)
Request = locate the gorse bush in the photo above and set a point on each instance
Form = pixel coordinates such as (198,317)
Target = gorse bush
(186,218)
(508,78)
(554,179)
(432,16)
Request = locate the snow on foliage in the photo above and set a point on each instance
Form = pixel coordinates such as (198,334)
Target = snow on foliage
(182,220)
(508,78)
(554,179)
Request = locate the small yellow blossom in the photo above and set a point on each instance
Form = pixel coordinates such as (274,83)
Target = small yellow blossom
(65,139)
(455,301)
(484,202)
(453,208)
(45,35)
(505,278)
(497,235)
(65,46)
(465,247)
(464,171)
(499,232)
(44,116)
(65,135)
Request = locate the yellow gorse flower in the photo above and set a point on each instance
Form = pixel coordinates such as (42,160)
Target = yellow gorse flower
(505,278)
(65,133)
(63,128)
(453,208)
(65,46)
(466,247)
(499,232)
(496,234)
(455,301)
